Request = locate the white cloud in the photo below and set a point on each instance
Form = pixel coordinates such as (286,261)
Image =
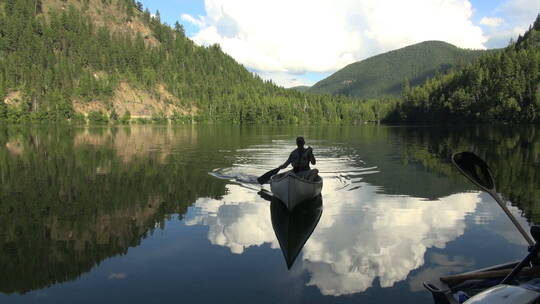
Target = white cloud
(518,15)
(195,21)
(285,79)
(525,11)
(501,37)
(491,22)
(301,36)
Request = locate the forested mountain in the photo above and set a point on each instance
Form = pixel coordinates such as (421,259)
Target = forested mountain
(501,87)
(385,74)
(111,60)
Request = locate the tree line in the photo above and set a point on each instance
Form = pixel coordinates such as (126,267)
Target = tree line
(499,87)
(63,56)
(55,58)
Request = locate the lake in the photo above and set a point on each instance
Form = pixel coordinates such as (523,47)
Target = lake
(159,214)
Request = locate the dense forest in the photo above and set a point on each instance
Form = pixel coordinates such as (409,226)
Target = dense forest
(54,58)
(59,62)
(384,74)
(501,87)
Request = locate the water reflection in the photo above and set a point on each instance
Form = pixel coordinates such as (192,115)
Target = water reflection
(363,235)
(386,240)
(142,141)
(293,228)
(441,266)
(70,199)
(237,221)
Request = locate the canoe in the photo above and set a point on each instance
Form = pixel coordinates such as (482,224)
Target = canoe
(484,286)
(293,228)
(512,283)
(293,190)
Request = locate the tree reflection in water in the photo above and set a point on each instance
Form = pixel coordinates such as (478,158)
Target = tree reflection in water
(73,197)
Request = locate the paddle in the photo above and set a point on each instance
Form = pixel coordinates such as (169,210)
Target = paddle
(478,172)
(266,177)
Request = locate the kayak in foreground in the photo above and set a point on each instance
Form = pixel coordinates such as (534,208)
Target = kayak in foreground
(293,190)
(511,283)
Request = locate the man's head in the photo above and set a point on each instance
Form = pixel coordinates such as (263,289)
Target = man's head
(300,142)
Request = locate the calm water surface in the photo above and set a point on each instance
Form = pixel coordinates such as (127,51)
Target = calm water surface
(157,214)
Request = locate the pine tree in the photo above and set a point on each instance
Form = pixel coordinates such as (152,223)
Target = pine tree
(126,118)
(3,110)
(179,28)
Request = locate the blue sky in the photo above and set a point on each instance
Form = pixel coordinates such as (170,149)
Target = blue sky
(171,11)
(299,42)
(484,8)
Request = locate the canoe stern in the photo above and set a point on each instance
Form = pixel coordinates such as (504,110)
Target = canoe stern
(292,190)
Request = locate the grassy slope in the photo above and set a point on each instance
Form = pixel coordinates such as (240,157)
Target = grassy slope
(385,74)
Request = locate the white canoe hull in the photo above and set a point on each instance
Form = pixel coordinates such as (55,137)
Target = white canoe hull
(293,190)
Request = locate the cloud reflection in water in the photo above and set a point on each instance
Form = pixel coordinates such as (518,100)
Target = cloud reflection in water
(363,234)
(240,220)
(378,236)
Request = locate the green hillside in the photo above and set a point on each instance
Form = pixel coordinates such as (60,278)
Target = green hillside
(499,87)
(385,74)
(112,61)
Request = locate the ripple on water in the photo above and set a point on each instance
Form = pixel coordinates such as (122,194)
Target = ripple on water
(340,169)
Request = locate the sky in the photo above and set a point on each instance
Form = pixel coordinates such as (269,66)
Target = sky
(299,42)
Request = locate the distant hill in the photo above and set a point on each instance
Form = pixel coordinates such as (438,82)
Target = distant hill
(385,74)
(301,88)
(500,87)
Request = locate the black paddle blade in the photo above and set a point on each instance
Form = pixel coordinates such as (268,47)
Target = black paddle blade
(475,169)
(266,177)
(266,195)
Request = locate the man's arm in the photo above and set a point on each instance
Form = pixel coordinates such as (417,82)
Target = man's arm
(311,156)
(286,164)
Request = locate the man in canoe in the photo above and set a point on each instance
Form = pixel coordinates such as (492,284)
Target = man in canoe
(300,159)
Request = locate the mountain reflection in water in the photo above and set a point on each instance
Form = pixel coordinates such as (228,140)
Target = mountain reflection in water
(395,212)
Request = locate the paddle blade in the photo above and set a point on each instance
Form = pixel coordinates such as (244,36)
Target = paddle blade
(475,169)
(266,177)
